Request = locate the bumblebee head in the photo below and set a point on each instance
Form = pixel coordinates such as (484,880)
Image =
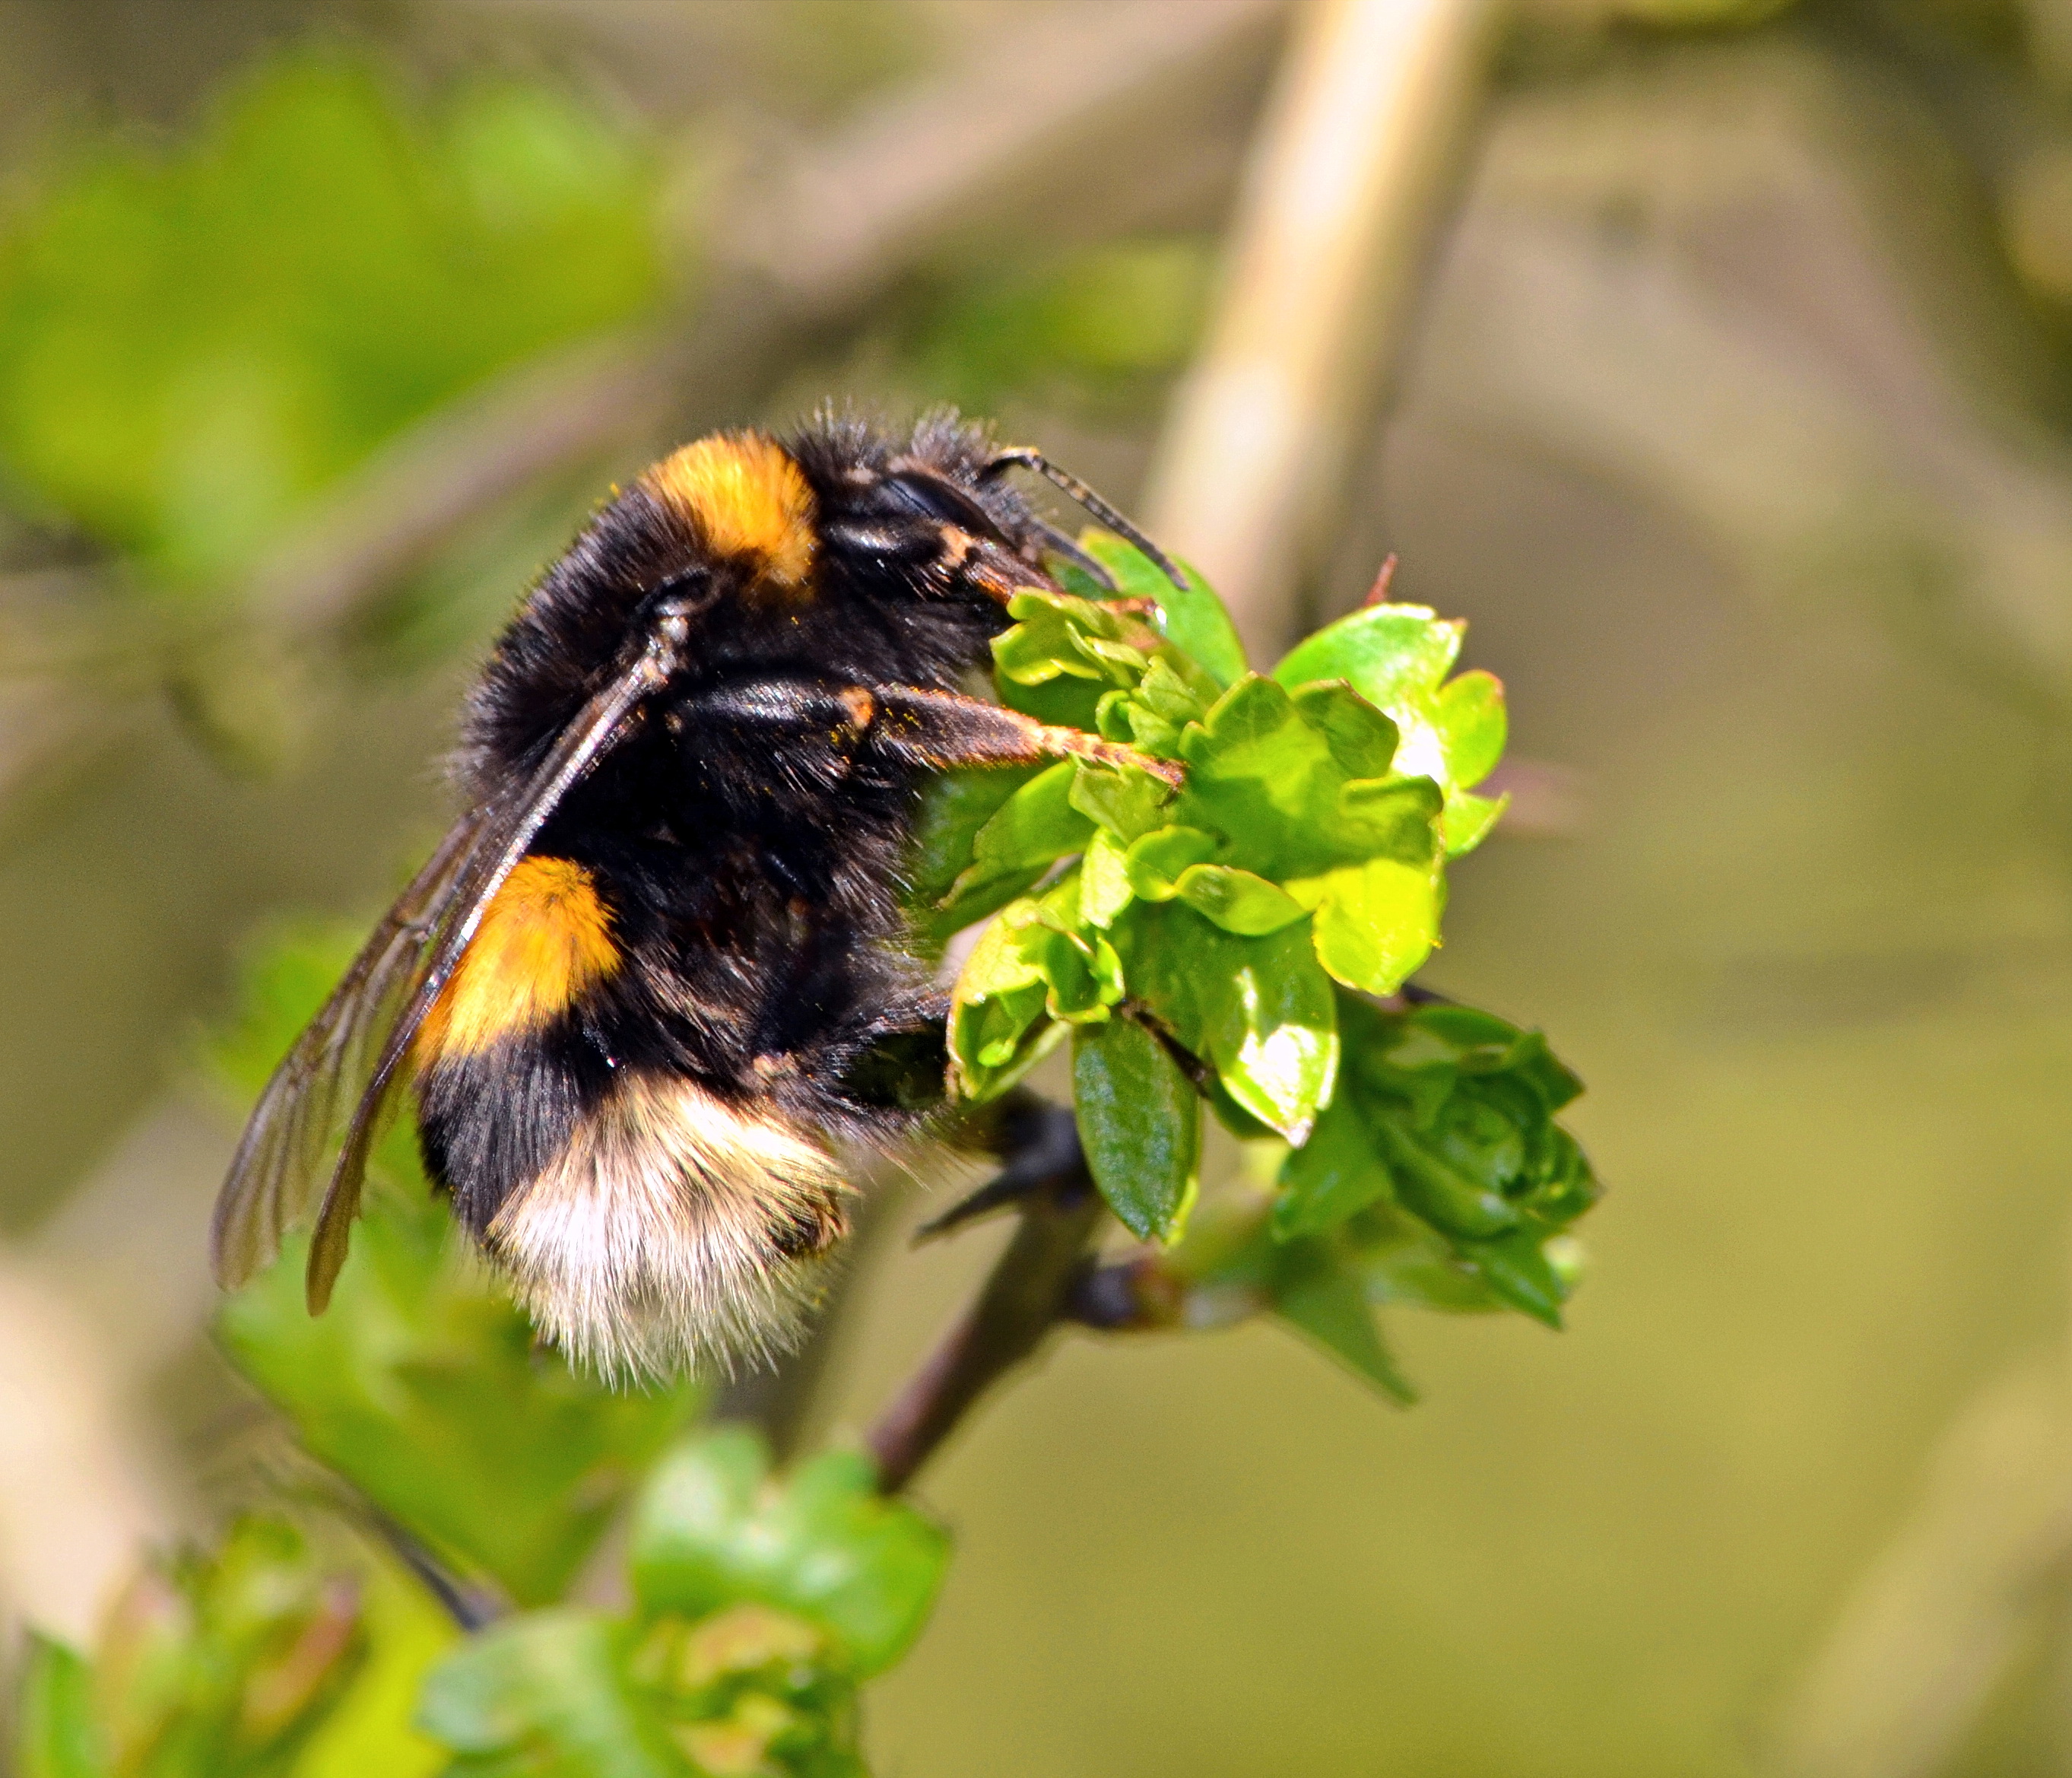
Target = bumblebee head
(937,508)
(932,515)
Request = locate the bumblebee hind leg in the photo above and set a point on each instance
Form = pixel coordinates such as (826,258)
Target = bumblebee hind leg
(905,1071)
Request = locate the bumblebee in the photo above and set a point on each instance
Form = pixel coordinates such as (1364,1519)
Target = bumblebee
(654,991)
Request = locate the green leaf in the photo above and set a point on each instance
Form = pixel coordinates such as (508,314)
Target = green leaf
(1261,777)
(1236,900)
(954,806)
(1397,656)
(1083,977)
(1469,820)
(56,1735)
(1469,714)
(1104,884)
(1196,621)
(1034,828)
(1325,1302)
(1517,1270)
(1376,923)
(1400,1258)
(712,1528)
(1289,781)
(1055,635)
(1027,832)
(1260,1009)
(1128,801)
(1390,818)
(1391,655)
(1440,1191)
(1272,1027)
(1063,701)
(1165,695)
(1155,860)
(997,1005)
(1362,740)
(1141,1123)
(545,1695)
(1332,1175)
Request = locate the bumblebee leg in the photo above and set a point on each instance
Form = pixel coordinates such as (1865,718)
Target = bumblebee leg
(922,727)
(1039,1145)
(943,728)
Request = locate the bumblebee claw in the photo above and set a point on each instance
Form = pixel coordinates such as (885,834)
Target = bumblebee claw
(997,1193)
(1038,1143)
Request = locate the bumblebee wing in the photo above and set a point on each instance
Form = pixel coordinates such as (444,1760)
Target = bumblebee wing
(507,830)
(275,1170)
(377,1010)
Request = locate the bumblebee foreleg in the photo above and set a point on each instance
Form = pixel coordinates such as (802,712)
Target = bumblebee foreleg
(911,724)
(944,728)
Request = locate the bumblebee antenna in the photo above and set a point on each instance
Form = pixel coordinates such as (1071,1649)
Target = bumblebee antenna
(1027,457)
(1059,544)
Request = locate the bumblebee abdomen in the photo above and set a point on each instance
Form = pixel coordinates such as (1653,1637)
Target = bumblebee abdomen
(661,1227)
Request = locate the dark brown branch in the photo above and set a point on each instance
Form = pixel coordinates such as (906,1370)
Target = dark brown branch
(1025,1296)
(470,1605)
(1139,1294)
(1199,1074)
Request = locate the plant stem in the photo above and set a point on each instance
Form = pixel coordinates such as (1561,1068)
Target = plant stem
(1023,1298)
(1347,176)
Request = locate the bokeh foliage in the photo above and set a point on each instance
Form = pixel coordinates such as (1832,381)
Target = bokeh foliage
(195,343)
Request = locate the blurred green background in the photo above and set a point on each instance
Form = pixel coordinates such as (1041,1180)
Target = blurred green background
(1736,416)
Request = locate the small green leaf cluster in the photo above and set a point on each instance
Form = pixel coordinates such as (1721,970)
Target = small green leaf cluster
(1448,1113)
(1239,942)
(758,1607)
(1436,1178)
(208,1668)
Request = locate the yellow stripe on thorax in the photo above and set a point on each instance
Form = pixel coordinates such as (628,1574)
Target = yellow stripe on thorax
(747,498)
(545,937)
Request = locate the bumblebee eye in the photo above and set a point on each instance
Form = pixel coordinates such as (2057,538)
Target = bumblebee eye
(926,495)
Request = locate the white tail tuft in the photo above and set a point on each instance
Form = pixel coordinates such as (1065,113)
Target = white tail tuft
(675,1232)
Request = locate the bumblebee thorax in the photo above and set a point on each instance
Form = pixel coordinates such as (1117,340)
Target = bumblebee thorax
(749,502)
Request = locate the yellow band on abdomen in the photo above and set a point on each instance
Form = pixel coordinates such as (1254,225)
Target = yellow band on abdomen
(545,937)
